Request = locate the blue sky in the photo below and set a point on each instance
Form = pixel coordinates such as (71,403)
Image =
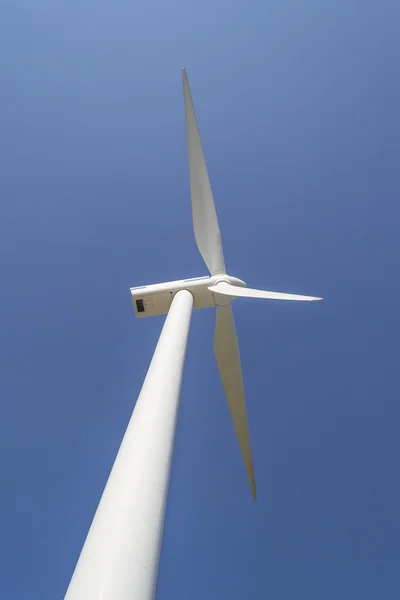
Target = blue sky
(298,106)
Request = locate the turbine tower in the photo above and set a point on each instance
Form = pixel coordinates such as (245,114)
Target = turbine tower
(119,559)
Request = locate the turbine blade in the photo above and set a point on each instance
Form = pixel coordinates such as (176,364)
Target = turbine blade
(228,360)
(205,222)
(227,289)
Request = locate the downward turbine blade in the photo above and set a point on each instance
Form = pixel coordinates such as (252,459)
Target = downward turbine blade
(235,291)
(205,222)
(228,360)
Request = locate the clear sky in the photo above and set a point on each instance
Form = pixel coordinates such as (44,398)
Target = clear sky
(298,106)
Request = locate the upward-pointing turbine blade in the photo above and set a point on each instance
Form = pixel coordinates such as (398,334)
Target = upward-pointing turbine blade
(205,222)
(228,360)
(234,291)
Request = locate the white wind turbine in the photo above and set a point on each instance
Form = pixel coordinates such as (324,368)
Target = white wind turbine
(119,559)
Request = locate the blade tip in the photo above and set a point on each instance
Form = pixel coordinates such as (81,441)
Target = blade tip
(253,488)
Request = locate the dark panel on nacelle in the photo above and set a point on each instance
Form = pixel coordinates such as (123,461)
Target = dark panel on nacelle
(149,306)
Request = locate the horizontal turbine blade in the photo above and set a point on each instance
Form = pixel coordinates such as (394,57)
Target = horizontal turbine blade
(205,222)
(228,360)
(234,291)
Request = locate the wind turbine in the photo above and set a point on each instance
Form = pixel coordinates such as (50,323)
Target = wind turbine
(119,559)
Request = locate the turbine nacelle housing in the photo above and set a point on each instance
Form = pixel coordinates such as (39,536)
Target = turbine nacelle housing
(156,299)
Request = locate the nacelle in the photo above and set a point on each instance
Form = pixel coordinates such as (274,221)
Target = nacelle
(155,299)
